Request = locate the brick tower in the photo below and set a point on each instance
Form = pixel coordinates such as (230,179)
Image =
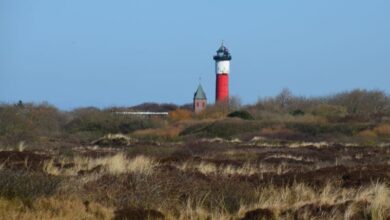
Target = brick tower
(200,100)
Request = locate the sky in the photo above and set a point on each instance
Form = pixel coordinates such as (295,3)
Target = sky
(103,53)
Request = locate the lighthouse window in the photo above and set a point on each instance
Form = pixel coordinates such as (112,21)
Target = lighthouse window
(203,104)
(197,104)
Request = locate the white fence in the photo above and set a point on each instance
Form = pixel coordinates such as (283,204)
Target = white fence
(143,113)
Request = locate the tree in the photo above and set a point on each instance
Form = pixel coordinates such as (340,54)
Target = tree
(234,103)
(284,98)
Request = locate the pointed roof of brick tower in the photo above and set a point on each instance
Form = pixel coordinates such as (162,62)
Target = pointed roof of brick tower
(200,94)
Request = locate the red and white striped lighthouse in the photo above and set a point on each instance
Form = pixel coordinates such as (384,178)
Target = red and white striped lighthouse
(222,69)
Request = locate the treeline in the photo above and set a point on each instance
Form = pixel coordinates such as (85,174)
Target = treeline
(47,125)
(353,106)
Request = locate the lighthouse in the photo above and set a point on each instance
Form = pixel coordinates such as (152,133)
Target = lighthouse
(222,70)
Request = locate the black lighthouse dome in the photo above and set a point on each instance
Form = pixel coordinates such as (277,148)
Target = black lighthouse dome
(222,54)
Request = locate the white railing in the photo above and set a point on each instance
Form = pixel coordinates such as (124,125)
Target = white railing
(142,113)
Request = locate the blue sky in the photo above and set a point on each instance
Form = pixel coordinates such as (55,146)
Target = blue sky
(102,53)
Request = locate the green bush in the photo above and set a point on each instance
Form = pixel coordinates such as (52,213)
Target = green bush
(297,112)
(241,114)
(315,129)
(331,112)
(28,122)
(95,121)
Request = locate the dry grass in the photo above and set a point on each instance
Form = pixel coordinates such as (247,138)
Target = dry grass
(116,164)
(371,202)
(291,157)
(276,130)
(383,130)
(307,144)
(2,165)
(380,130)
(208,168)
(284,202)
(53,208)
(180,114)
(377,196)
(260,141)
(195,211)
(247,169)
(220,183)
(21,146)
(369,134)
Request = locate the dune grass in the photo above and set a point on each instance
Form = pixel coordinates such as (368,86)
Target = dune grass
(115,164)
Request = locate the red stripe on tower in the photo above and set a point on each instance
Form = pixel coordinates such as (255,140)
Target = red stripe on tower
(222,87)
(222,69)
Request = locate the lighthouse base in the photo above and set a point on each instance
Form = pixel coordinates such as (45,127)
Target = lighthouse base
(222,88)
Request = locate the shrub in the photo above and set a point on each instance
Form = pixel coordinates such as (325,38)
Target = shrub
(331,112)
(155,107)
(168,133)
(367,134)
(224,128)
(352,106)
(325,128)
(241,114)
(26,185)
(216,111)
(279,132)
(93,121)
(382,130)
(180,114)
(297,112)
(362,102)
(28,122)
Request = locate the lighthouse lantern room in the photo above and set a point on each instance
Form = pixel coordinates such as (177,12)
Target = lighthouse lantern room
(222,70)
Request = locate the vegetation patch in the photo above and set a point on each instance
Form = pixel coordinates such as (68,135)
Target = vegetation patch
(241,114)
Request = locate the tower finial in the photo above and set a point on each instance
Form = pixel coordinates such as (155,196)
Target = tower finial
(222,43)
